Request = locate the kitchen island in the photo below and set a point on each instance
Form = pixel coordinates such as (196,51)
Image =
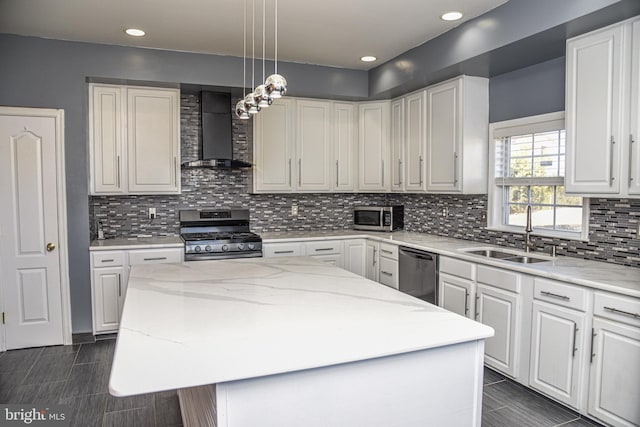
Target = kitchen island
(291,342)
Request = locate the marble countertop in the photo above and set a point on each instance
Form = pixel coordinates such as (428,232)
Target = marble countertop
(593,274)
(136,243)
(197,323)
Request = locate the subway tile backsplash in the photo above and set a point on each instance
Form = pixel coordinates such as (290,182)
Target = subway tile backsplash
(612,222)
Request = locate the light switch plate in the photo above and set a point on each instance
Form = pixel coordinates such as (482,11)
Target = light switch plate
(294,211)
(638,230)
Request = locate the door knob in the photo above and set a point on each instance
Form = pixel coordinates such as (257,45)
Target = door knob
(50,247)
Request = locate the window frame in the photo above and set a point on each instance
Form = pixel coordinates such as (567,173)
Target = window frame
(496,193)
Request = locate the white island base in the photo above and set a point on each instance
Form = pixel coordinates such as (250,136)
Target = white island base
(434,387)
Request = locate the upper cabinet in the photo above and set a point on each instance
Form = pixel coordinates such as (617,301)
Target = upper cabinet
(602,111)
(397,144)
(373,144)
(345,146)
(415,141)
(457,136)
(314,145)
(134,135)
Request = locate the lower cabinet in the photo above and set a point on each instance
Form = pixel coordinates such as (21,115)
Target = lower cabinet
(354,256)
(388,265)
(456,294)
(327,251)
(372,257)
(271,250)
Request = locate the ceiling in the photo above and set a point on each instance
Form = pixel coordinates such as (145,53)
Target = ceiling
(327,32)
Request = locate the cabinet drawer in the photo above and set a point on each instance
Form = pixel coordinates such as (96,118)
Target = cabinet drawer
(155,256)
(499,278)
(282,249)
(107,259)
(456,267)
(560,294)
(617,307)
(389,272)
(389,251)
(327,247)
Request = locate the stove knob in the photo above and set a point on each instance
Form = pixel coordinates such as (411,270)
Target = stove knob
(225,248)
(198,249)
(251,246)
(207,248)
(240,246)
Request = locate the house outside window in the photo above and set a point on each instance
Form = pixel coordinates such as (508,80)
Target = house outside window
(527,168)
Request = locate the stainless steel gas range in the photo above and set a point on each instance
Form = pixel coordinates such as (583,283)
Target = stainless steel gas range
(218,234)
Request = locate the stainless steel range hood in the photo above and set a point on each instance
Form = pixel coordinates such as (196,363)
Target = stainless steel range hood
(217,141)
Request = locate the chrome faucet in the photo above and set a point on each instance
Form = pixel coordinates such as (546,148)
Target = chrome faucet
(528,244)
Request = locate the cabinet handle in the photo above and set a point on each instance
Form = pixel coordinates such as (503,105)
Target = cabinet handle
(575,331)
(337,174)
(289,172)
(386,273)
(299,172)
(107,260)
(455,168)
(552,295)
(382,173)
(477,313)
(282,252)
(593,335)
(119,286)
(466,302)
(611,177)
(118,171)
(399,171)
(374,255)
(323,249)
(631,142)
(420,169)
(175,170)
(626,313)
(386,251)
(155,258)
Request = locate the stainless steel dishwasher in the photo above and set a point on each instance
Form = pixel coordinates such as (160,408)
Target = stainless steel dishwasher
(418,274)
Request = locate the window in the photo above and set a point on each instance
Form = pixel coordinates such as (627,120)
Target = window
(528,161)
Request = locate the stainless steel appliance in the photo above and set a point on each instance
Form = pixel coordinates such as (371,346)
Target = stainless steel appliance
(218,234)
(418,274)
(378,218)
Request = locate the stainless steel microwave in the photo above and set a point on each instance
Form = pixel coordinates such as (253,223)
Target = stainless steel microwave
(378,218)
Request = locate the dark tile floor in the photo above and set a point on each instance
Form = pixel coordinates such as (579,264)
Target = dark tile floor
(78,375)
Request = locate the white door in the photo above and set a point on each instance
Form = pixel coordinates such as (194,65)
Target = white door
(313,131)
(593,116)
(373,141)
(273,147)
(354,256)
(499,309)
(634,136)
(345,146)
(415,142)
(397,145)
(29,256)
(456,295)
(614,384)
(556,351)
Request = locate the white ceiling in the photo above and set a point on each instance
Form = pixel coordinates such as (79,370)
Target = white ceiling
(326,32)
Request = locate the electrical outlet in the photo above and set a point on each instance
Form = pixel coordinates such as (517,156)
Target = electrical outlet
(294,211)
(445,211)
(152,213)
(638,231)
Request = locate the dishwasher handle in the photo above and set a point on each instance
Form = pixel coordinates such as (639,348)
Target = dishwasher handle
(416,253)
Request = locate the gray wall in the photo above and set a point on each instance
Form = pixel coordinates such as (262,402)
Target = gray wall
(52,74)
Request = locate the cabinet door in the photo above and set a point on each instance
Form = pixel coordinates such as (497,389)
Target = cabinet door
(153,139)
(108,296)
(371,261)
(444,136)
(271,250)
(614,384)
(273,147)
(499,309)
(388,272)
(313,139)
(106,133)
(593,116)
(634,133)
(556,352)
(456,295)
(345,146)
(397,145)
(415,142)
(373,142)
(354,256)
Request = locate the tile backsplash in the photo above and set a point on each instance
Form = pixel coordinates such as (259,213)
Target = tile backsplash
(612,222)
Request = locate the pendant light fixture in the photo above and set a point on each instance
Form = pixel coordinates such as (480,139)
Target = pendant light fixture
(262,96)
(241,110)
(250,100)
(275,83)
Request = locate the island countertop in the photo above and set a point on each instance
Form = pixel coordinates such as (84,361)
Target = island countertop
(207,322)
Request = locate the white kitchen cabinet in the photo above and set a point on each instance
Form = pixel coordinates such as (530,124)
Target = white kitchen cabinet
(456,294)
(273,147)
(282,249)
(388,271)
(354,256)
(602,88)
(134,135)
(313,145)
(329,251)
(373,146)
(372,257)
(415,142)
(397,144)
(557,346)
(457,136)
(345,146)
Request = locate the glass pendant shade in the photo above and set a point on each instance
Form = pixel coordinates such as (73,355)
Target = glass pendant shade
(241,111)
(250,104)
(276,86)
(263,99)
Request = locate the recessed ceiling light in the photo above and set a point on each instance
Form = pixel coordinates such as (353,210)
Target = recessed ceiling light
(451,16)
(368,58)
(134,32)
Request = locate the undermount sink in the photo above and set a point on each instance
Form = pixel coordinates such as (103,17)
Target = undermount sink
(506,256)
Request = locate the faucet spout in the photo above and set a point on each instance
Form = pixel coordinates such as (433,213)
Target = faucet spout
(528,244)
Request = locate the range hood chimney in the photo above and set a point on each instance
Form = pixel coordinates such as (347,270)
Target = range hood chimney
(217,141)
